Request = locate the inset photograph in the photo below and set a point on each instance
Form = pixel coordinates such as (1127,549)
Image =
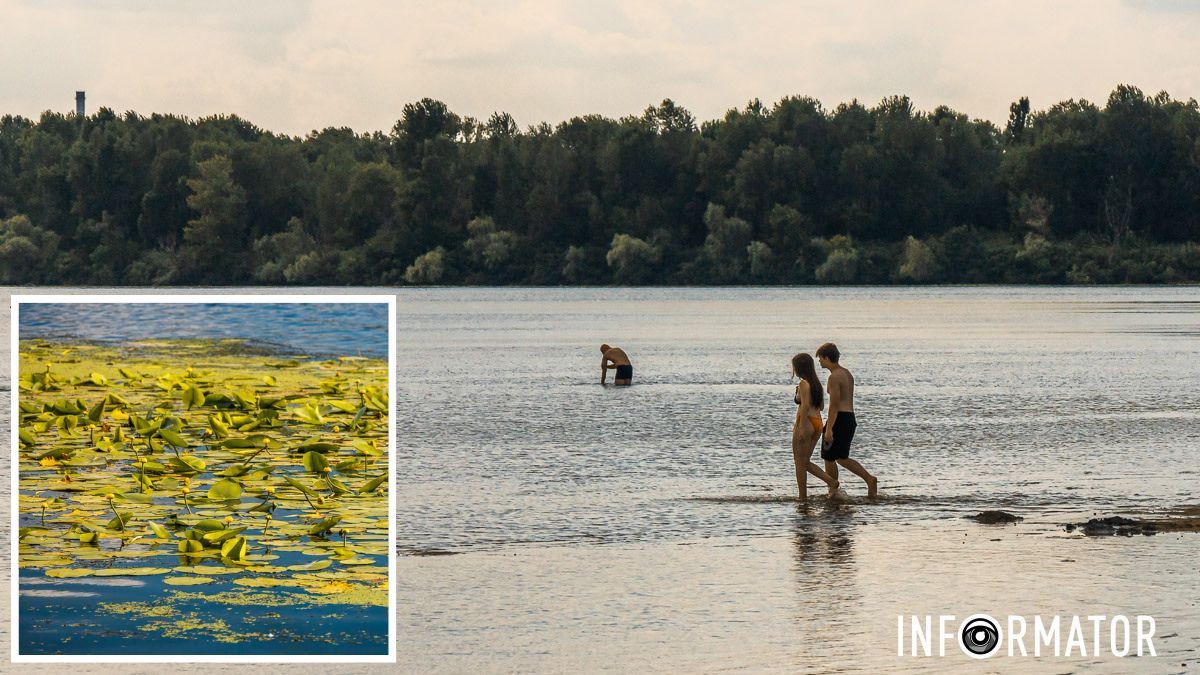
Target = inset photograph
(202,479)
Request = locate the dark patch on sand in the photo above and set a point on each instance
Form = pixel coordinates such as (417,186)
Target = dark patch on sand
(1187,520)
(995,517)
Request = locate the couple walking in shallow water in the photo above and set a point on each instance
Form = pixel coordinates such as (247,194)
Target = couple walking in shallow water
(836,433)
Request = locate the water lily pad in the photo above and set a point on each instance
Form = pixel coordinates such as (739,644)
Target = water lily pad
(207,569)
(69,573)
(192,397)
(314,462)
(224,489)
(234,549)
(324,525)
(187,581)
(131,571)
(159,531)
(312,566)
(173,438)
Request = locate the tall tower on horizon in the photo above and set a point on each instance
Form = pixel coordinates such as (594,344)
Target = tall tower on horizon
(79,95)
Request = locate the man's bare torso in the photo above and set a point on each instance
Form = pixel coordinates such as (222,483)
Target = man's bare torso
(841,382)
(617,356)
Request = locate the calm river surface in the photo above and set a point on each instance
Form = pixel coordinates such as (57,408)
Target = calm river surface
(548,524)
(653,527)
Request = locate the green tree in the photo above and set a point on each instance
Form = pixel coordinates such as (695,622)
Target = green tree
(725,246)
(214,239)
(631,258)
(917,263)
(841,262)
(27,252)
(428,268)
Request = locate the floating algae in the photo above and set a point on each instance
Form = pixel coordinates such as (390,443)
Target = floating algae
(204,464)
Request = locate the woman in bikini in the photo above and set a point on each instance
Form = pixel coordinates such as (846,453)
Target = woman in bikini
(810,399)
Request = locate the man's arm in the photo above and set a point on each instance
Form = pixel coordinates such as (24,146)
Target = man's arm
(603,368)
(835,400)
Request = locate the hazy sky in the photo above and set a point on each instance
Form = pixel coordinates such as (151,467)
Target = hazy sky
(296,66)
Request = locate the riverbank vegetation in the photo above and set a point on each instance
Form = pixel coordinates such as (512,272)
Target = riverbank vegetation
(789,193)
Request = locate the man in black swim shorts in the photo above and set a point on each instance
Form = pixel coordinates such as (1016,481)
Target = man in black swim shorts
(615,357)
(839,428)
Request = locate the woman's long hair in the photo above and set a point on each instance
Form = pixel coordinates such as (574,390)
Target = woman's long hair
(802,365)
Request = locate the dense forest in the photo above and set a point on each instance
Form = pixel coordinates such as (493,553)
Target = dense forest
(787,194)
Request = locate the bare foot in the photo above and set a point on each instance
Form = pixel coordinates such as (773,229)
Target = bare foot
(873,487)
(833,489)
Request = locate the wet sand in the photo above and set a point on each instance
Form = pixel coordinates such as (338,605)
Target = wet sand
(823,597)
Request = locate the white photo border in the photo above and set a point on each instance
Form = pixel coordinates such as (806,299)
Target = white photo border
(215,298)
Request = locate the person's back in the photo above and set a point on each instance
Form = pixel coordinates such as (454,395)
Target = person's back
(615,357)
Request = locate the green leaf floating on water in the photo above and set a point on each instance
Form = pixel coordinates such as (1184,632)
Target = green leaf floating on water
(158,530)
(251,441)
(96,412)
(224,489)
(234,549)
(223,535)
(370,485)
(365,447)
(131,571)
(311,567)
(219,428)
(27,437)
(208,569)
(190,546)
(187,581)
(314,462)
(313,444)
(193,397)
(300,486)
(309,415)
(325,525)
(69,573)
(173,438)
(187,463)
(56,453)
(120,521)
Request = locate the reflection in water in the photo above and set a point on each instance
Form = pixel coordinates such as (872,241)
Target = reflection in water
(826,579)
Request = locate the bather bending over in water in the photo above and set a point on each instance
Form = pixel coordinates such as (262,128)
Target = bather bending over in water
(615,358)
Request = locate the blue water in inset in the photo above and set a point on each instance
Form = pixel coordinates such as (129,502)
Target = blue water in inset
(344,329)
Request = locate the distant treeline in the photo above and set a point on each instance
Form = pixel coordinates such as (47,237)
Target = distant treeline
(788,194)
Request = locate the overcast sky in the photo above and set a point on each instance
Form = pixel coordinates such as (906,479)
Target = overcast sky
(296,66)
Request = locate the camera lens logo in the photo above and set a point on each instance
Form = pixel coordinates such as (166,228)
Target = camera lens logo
(979,636)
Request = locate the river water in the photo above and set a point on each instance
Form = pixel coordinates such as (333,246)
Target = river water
(548,524)
(654,527)
(345,329)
